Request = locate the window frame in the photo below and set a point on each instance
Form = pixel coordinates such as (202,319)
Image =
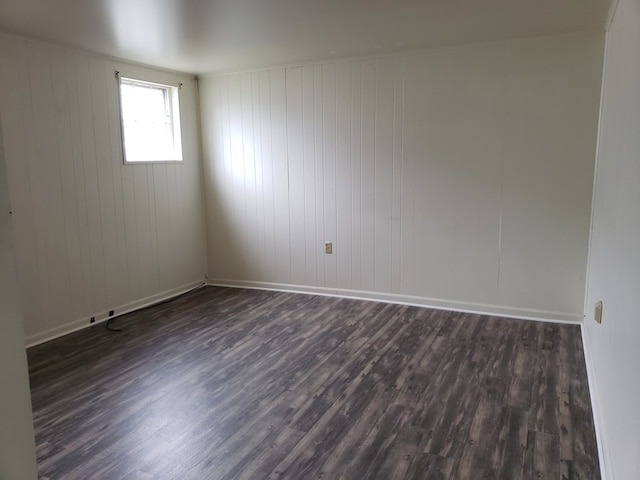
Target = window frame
(172,90)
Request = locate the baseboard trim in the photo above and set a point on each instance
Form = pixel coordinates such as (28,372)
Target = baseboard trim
(603,454)
(439,304)
(74,326)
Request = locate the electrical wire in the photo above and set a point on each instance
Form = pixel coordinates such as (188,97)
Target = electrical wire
(161,302)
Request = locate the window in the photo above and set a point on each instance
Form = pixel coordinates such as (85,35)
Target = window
(150,121)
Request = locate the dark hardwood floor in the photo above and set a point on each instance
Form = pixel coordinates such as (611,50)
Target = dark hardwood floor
(245,384)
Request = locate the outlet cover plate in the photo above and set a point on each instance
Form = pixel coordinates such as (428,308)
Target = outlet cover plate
(597,312)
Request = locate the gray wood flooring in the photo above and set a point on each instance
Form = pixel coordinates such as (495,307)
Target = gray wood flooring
(245,384)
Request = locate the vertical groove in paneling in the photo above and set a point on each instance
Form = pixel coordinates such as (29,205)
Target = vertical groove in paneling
(407,200)
(92,234)
(344,245)
(356,172)
(225,186)
(383,147)
(368,173)
(376,161)
(258,177)
(302,219)
(239,161)
(179,199)
(248,171)
(163,234)
(309,153)
(287,162)
(329,163)
(153,227)
(250,141)
(267,154)
(319,170)
(502,170)
(339,129)
(396,225)
(280,174)
(296,172)
(131,234)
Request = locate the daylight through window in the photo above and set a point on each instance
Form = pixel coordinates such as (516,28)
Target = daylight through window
(150,121)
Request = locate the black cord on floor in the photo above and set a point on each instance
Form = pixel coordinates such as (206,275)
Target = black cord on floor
(110,328)
(161,302)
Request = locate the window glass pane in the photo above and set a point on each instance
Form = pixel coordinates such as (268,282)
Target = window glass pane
(150,132)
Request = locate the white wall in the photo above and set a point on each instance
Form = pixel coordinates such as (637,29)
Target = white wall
(614,266)
(17,447)
(91,233)
(458,177)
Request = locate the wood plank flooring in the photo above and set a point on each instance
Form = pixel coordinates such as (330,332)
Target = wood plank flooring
(245,384)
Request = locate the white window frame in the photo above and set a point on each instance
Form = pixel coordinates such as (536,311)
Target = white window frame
(172,99)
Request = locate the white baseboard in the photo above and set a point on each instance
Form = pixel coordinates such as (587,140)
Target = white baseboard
(465,307)
(603,454)
(79,324)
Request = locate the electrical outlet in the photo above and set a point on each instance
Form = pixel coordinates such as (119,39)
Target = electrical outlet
(92,320)
(328,248)
(111,313)
(597,312)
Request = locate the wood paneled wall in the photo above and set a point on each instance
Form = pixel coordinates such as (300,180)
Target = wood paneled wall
(17,445)
(459,177)
(91,233)
(614,264)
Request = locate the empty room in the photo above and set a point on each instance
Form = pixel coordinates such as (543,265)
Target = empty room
(303,240)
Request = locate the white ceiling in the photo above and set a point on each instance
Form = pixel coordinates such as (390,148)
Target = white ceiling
(204,36)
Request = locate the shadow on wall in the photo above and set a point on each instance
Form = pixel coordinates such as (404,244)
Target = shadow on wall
(226,234)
